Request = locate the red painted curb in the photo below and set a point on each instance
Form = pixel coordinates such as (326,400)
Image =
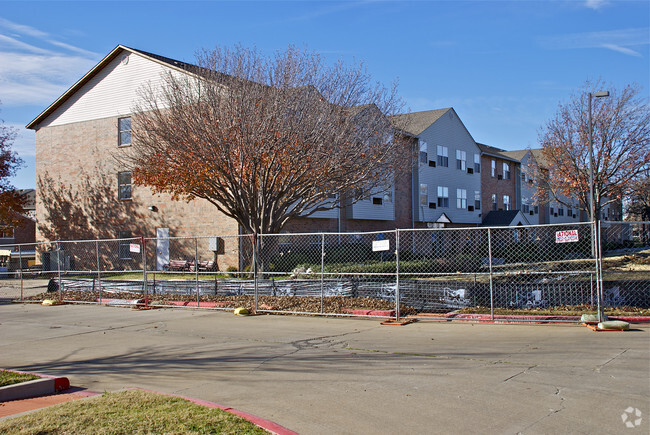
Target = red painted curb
(60,382)
(503,317)
(377,313)
(261,422)
(200,304)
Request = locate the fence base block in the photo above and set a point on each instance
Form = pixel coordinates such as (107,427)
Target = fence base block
(398,322)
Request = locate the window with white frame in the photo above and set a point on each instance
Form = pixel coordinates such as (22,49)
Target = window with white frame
(424,194)
(493,168)
(477,200)
(443,156)
(477,163)
(123,132)
(506,202)
(443,196)
(494,201)
(461,198)
(525,208)
(461,160)
(560,211)
(506,171)
(124,185)
(424,150)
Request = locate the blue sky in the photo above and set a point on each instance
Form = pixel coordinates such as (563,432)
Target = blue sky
(503,65)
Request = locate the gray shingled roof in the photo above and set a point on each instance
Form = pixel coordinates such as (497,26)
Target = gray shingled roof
(501,218)
(415,123)
(496,152)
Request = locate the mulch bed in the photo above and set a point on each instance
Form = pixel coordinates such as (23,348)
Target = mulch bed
(306,304)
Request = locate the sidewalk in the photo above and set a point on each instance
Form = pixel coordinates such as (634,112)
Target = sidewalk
(14,408)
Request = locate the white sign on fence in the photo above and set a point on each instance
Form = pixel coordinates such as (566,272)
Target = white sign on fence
(134,247)
(380,245)
(566,236)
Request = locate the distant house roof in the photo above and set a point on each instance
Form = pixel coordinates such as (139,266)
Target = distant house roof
(496,152)
(520,154)
(415,123)
(504,218)
(29,196)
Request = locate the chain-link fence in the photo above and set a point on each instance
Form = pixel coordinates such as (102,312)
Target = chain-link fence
(526,271)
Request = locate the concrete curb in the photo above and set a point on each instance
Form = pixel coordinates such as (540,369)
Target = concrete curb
(37,387)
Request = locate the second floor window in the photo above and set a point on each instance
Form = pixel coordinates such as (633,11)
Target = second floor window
(443,156)
(124,185)
(506,202)
(424,157)
(124,132)
(443,196)
(461,160)
(493,168)
(477,200)
(477,163)
(506,171)
(494,201)
(461,198)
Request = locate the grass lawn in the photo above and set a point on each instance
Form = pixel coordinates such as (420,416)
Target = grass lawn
(10,378)
(130,412)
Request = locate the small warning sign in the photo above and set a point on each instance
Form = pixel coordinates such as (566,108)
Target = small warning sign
(380,245)
(566,236)
(134,247)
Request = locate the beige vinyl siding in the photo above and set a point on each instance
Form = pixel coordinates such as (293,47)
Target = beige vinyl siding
(111,92)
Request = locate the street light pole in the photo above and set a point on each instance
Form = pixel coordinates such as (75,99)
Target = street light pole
(592,208)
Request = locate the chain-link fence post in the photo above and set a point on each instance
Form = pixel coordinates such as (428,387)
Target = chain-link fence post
(490,269)
(99,273)
(196,270)
(20,270)
(599,271)
(256,243)
(144,272)
(58,268)
(322,271)
(397,313)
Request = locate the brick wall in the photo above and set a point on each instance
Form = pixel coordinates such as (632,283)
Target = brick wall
(79,157)
(492,185)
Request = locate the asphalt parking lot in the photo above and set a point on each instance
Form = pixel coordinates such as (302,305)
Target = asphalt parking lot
(342,375)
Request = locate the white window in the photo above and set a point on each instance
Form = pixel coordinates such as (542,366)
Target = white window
(477,200)
(506,202)
(477,163)
(461,160)
(424,149)
(443,156)
(506,171)
(424,194)
(123,132)
(494,168)
(124,185)
(443,196)
(461,198)
(494,201)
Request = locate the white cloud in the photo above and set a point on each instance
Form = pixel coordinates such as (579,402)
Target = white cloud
(596,4)
(36,68)
(617,40)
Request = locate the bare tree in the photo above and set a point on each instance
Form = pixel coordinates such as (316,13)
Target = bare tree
(267,139)
(621,141)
